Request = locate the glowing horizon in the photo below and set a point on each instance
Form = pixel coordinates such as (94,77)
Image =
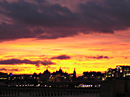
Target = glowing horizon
(86,35)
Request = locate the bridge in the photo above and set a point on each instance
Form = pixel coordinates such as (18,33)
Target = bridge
(110,88)
(48,92)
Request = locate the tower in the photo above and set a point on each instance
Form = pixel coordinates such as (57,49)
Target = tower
(74,74)
(60,70)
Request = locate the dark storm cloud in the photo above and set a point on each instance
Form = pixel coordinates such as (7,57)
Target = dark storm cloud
(25,61)
(43,20)
(61,57)
(98,57)
(38,14)
(108,16)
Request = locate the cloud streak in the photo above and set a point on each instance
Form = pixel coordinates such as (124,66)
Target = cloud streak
(61,57)
(5,69)
(98,57)
(25,61)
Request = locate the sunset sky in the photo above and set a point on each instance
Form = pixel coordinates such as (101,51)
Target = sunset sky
(88,35)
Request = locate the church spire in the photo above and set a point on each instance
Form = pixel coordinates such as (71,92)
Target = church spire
(74,73)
